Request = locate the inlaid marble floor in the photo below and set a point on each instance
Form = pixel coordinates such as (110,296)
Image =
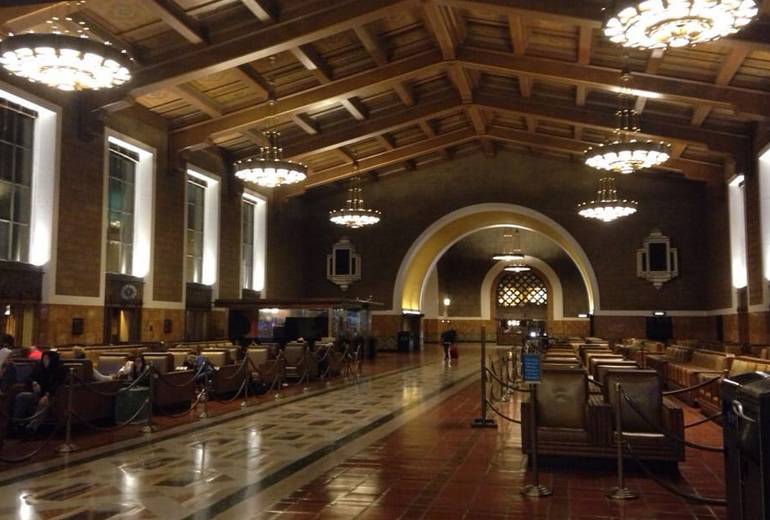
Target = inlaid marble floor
(207,471)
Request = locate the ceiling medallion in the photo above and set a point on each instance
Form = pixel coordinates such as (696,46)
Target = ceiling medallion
(607,207)
(625,153)
(66,57)
(658,24)
(269,169)
(354,215)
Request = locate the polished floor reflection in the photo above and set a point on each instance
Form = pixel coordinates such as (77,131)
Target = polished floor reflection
(393,445)
(210,469)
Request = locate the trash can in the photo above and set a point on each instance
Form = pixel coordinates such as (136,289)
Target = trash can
(128,402)
(404,341)
(746,413)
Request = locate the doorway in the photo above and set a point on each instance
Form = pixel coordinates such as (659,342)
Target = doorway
(122,325)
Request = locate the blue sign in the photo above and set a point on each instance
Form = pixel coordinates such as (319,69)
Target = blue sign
(531,367)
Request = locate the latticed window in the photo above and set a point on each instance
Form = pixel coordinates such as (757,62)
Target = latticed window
(520,289)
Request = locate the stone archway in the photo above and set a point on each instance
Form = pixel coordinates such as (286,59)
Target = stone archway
(449,229)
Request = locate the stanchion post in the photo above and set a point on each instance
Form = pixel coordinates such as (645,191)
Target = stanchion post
(205,395)
(483,421)
(620,492)
(536,489)
(67,446)
(149,425)
(246,382)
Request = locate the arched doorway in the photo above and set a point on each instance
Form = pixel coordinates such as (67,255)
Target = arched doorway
(422,256)
(520,299)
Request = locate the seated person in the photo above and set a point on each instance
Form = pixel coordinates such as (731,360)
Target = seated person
(202,366)
(132,370)
(98,376)
(47,376)
(34,353)
(7,370)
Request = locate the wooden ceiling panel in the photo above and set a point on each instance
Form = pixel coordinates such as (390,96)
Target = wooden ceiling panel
(366,148)
(487,35)
(227,89)
(434,86)
(402,34)
(694,64)
(754,73)
(450,123)
(548,40)
(408,135)
(498,83)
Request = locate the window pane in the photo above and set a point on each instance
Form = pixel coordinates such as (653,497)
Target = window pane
(6,194)
(6,161)
(5,237)
(21,203)
(20,242)
(113,256)
(23,166)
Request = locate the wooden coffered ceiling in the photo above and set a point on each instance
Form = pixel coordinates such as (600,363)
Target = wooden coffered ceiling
(388,85)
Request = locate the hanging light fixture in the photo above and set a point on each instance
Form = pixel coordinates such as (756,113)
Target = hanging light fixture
(625,153)
(66,57)
(607,206)
(657,24)
(354,215)
(508,251)
(269,169)
(511,252)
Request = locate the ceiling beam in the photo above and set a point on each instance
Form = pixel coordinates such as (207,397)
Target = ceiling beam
(264,10)
(306,123)
(730,65)
(386,141)
(518,34)
(355,107)
(462,83)
(351,133)
(304,28)
(571,12)
(249,75)
(680,90)
(21,17)
(476,119)
(372,44)
(397,156)
(584,45)
(605,121)
(198,99)
(438,26)
(427,128)
(176,18)
(312,61)
(404,92)
(581,93)
(318,97)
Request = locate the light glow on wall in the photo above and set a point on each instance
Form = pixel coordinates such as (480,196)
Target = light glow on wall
(736,203)
(43,179)
(764,210)
(260,239)
(210,226)
(143,206)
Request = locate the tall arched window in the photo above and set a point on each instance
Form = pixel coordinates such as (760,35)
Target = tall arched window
(521,289)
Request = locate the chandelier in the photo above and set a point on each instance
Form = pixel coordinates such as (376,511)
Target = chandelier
(657,24)
(269,169)
(625,153)
(65,58)
(354,215)
(517,268)
(607,206)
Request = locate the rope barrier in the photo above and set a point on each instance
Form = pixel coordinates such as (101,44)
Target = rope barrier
(194,402)
(671,488)
(705,420)
(162,377)
(691,388)
(88,385)
(633,405)
(34,452)
(115,427)
(501,414)
(511,387)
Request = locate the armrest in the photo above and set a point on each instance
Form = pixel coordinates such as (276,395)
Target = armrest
(673,418)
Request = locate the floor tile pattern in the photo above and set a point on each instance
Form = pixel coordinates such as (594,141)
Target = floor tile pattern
(436,466)
(204,471)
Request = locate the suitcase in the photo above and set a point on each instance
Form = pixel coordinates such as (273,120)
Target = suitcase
(128,402)
(453,354)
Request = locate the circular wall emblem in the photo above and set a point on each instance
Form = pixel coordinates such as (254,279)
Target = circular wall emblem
(128,292)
